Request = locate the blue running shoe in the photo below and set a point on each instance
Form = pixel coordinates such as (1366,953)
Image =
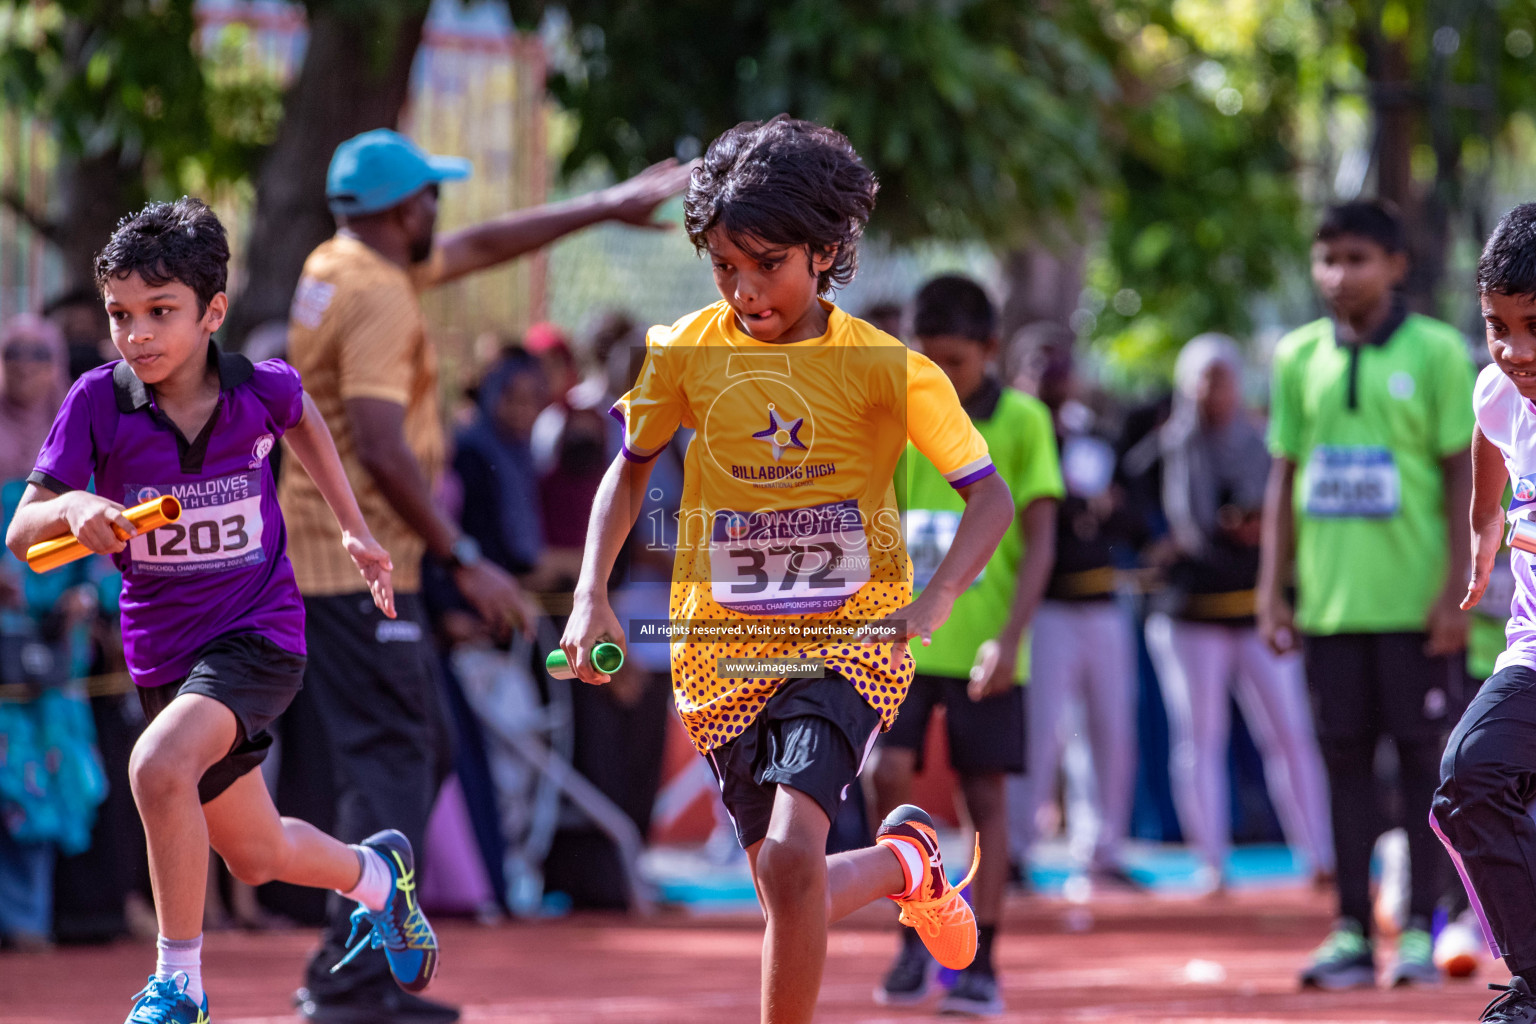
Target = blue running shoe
(400,928)
(165,1001)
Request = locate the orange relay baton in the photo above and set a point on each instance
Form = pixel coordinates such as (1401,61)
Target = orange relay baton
(150,515)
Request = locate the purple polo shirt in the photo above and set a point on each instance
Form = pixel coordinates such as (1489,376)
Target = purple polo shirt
(223,568)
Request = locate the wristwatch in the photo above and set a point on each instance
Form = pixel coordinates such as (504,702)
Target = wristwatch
(464,553)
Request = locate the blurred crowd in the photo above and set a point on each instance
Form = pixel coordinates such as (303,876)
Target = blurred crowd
(1156,710)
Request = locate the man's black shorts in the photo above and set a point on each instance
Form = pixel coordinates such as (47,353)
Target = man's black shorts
(1373,684)
(813,735)
(984,736)
(255,679)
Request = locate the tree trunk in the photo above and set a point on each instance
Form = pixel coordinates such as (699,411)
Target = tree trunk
(1042,284)
(1043,280)
(354,79)
(1397,105)
(95,192)
(1393,107)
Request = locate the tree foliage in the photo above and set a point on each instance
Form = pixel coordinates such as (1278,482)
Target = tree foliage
(977,114)
(1187,139)
(1443,82)
(124,75)
(135,108)
(142,107)
(1205,211)
(1161,126)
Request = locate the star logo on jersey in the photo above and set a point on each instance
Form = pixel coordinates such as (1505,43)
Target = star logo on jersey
(781,434)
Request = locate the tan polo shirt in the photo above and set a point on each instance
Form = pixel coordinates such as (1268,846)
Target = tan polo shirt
(356,331)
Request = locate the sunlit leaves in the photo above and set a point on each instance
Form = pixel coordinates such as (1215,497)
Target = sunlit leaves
(980,116)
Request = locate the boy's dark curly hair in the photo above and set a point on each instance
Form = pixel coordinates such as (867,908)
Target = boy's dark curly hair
(784,182)
(181,241)
(1508,263)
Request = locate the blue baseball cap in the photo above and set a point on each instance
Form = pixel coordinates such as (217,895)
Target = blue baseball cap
(375,170)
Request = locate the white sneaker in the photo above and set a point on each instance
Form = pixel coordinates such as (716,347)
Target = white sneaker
(1460,947)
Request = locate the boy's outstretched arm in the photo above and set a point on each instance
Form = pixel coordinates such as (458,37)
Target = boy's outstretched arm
(1487,514)
(613,515)
(42,515)
(988,511)
(1276,548)
(311,442)
(631,202)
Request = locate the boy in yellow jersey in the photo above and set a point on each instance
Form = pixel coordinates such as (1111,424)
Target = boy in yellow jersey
(789,547)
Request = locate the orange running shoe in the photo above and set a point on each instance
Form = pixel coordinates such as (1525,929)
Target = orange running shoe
(932,906)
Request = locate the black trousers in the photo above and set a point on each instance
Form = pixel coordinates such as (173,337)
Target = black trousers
(374,682)
(1364,687)
(1487,785)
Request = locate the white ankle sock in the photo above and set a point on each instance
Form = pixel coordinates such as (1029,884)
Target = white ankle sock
(912,865)
(373,888)
(186,956)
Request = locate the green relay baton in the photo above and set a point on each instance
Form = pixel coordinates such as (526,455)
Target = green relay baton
(606,658)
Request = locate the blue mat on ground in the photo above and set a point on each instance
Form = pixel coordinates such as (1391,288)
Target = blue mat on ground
(688,878)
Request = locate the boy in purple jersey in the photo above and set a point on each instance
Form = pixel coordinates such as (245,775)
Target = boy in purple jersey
(213,627)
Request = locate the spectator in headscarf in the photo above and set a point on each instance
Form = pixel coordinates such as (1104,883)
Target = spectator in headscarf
(34,377)
(1203,638)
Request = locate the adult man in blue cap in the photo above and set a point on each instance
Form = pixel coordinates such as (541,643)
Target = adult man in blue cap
(358,337)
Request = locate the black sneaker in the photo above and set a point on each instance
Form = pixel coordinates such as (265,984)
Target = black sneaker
(1114,878)
(1515,1006)
(1343,961)
(976,994)
(906,983)
(389,1005)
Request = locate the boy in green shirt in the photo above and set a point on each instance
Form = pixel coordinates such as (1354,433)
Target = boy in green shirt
(1370,424)
(977,661)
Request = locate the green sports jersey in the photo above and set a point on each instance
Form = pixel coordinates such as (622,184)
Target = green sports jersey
(1022,443)
(1367,440)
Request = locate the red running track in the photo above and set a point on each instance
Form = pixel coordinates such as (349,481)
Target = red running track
(1129,960)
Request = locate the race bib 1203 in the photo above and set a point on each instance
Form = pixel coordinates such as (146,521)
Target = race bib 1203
(219,528)
(788,561)
(1352,483)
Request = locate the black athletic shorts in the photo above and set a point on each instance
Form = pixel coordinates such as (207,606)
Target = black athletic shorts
(984,736)
(1374,684)
(813,735)
(255,679)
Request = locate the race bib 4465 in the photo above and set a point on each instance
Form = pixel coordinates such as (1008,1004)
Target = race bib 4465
(929,535)
(220,527)
(1351,482)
